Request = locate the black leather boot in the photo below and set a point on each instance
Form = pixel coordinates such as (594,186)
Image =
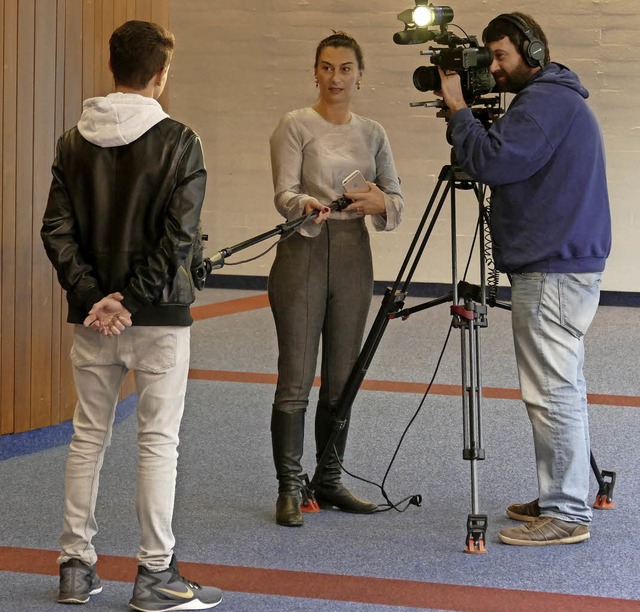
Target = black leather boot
(287,438)
(329,490)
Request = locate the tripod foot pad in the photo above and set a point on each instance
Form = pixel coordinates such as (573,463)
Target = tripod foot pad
(310,505)
(475,547)
(604,498)
(603,503)
(476,529)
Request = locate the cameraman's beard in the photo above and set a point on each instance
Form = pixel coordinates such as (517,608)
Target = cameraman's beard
(513,82)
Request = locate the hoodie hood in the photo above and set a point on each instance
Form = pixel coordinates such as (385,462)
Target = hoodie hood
(118,119)
(558,74)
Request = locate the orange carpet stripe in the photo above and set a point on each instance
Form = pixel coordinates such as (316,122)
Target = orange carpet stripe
(404,387)
(220,309)
(255,302)
(312,585)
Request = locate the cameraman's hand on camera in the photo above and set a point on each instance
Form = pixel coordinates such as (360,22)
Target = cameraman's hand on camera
(312,204)
(108,316)
(451,90)
(367,203)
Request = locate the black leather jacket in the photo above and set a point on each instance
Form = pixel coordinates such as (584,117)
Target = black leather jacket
(125,219)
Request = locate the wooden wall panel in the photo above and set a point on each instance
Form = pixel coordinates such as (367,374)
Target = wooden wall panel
(2,29)
(9,129)
(24,213)
(52,55)
(104,82)
(44,289)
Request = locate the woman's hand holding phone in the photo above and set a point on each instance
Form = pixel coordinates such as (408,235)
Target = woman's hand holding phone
(367,198)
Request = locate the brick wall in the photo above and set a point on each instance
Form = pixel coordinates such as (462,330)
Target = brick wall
(240,65)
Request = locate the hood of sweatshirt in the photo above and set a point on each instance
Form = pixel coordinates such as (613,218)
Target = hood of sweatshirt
(119,118)
(558,74)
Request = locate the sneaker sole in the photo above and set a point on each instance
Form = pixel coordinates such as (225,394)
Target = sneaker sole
(70,599)
(194,604)
(569,540)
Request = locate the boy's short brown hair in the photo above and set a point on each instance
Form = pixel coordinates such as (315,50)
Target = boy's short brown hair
(139,50)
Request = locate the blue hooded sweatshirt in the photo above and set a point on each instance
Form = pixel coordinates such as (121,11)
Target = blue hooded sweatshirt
(544,161)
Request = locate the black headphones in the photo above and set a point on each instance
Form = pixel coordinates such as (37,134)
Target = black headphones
(532,48)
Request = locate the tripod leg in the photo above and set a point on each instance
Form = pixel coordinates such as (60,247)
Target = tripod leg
(470,318)
(466,318)
(391,304)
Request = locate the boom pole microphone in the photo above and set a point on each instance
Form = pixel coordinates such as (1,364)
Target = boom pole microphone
(217,261)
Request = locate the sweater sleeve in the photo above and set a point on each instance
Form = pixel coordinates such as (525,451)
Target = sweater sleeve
(286,167)
(389,183)
(513,149)
(286,145)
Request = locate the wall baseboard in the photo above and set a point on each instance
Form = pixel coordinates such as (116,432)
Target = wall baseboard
(259,283)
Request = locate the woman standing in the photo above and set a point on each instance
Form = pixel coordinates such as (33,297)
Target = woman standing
(321,282)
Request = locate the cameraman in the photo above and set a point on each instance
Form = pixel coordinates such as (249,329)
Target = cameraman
(551,229)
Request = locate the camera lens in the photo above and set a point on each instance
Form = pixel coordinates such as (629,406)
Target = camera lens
(426,78)
(485,57)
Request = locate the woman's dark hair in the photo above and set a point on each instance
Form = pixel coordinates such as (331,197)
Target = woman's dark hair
(340,39)
(499,28)
(138,50)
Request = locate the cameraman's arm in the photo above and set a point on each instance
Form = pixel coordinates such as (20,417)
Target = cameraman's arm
(451,91)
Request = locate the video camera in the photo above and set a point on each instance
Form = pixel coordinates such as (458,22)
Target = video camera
(461,54)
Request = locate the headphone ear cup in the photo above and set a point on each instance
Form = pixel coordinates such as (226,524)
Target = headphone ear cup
(533,51)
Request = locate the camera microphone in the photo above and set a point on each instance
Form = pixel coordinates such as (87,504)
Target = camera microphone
(414,37)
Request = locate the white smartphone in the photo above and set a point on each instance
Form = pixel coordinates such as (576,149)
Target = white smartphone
(355,183)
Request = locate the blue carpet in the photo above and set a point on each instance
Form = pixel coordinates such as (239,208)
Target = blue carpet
(16,445)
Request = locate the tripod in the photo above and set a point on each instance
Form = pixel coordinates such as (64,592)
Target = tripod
(469,315)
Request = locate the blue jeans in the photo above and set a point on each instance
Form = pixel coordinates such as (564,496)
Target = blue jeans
(551,313)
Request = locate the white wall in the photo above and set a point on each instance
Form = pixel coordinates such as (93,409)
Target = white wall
(239,65)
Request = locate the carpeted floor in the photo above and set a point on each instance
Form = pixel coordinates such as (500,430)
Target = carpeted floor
(224,519)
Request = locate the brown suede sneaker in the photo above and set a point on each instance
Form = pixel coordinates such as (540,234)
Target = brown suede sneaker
(544,531)
(524,512)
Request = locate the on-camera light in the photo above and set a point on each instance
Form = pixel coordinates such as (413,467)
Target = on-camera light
(422,16)
(419,22)
(425,14)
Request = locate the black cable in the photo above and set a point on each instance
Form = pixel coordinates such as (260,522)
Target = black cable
(493,275)
(282,238)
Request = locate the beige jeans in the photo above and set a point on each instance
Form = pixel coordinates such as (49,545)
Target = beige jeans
(159,358)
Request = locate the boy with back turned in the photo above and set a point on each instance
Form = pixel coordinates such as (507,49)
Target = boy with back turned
(120,227)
